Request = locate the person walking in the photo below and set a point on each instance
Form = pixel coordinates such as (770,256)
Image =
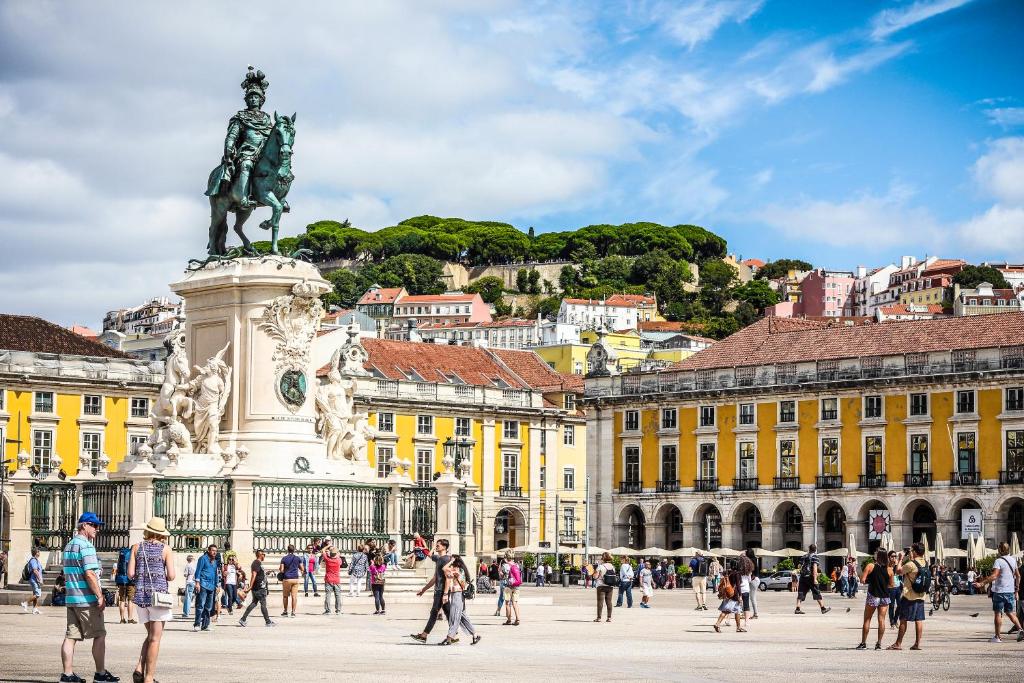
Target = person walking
(125,587)
(843,585)
(625,584)
(539,576)
(715,572)
(916,581)
(646,585)
(330,558)
(151,569)
(189,588)
(512,584)
(810,566)
(206,579)
(895,589)
(852,585)
(377,570)
(502,571)
(441,558)
(35,580)
(84,601)
(699,577)
(972,576)
(755,581)
(728,592)
(878,577)
(456,576)
(309,565)
(357,571)
(258,589)
(602,570)
(1005,582)
(230,573)
(745,571)
(289,570)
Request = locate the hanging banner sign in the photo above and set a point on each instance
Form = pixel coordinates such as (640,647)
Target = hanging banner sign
(878,524)
(972,521)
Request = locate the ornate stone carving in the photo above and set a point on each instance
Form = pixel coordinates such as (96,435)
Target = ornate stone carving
(210,390)
(358,438)
(601,358)
(334,409)
(173,404)
(353,355)
(292,321)
(24,460)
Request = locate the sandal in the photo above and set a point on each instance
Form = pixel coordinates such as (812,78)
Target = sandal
(515,623)
(915,647)
(476,639)
(597,620)
(741,630)
(446,641)
(718,629)
(894,646)
(507,623)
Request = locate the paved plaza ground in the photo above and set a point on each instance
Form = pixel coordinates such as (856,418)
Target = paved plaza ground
(555,641)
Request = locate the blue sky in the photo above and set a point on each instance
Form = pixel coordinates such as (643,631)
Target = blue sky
(844,133)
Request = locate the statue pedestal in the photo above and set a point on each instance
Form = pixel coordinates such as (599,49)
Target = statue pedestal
(267,312)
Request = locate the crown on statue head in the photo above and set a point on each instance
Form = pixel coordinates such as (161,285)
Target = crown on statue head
(255,81)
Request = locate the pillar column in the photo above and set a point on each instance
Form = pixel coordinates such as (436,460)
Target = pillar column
(487,478)
(19,488)
(600,465)
(242,504)
(533,521)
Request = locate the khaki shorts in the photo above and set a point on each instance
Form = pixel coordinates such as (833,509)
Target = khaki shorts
(700,584)
(290,587)
(85,623)
(512,594)
(125,594)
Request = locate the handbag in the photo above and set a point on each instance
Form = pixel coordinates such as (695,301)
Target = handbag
(157,598)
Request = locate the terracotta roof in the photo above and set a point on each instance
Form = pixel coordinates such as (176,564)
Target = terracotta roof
(598,302)
(787,340)
(905,309)
(387,295)
(83,331)
(536,373)
(28,333)
(943,263)
(1004,294)
(334,315)
(753,262)
(627,299)
(472,365)
(510,322)
(436,298)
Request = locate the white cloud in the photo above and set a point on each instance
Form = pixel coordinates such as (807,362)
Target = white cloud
(890,21)
(763,177)
(1007,117)
(830,71)
(696,21)
(1000,171)
(867,220)
(999,228)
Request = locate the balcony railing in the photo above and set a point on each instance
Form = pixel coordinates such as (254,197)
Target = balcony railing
(964,478)
(511,491)
(710,484)
(630,487)
(872,481)
(668,486)
(569,536)
(917,479)
(1011,476)
(787,483)
(744,484)
(829,481)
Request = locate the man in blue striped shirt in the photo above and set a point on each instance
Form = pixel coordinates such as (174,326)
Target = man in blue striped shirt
(84,601)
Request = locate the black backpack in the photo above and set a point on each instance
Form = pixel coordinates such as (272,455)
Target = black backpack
(923,579)
(610,578)
(806,568)
(702,567)
(26,573)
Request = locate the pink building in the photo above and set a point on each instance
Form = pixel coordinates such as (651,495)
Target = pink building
(828,293)
(442,308)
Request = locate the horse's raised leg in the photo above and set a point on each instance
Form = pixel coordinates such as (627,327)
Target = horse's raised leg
(241,216)
(272,223)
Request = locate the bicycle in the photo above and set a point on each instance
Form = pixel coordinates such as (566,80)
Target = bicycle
(940,598)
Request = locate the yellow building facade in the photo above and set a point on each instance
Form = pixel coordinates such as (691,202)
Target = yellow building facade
(932,295)
(779,437)
(572,358)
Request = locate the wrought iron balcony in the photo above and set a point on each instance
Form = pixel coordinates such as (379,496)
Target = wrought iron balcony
(964,478)
(744,484)
(630,487)
(569,536)
(829,481)
(1011,476)
(787,483)
(511,491)
(710,484)
(872,481)
(668,486)
(917,479)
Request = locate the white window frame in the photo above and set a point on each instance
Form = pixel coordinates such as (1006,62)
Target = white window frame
(569,402)
(625,421)
(35,402)
(700,460)
(1006,399)
(424,465)
(3,399)
(928,452)
(388,428)
(85,405)
(838,456)
(94,453)
(131,408)
(795,405)
(41,453)
(464,427)
(425,420)
(881,412)
(135,439)
(871,434)
(568,435)
(639,460)
(510,430)
(383,464)
(674,412)
(568,478)
(821,409)
(796,457)
(700,416)
(956,401)
(661,460)
(739,459)
(509,469)
(927,404)
(753,415)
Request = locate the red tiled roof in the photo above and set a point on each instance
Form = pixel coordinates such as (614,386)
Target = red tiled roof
(788,340)
(28,333)
(943,264)
(905,309)
(387,295)
(1004,294)
(334,315)
(627,299)
(753,262)
(83,331)
(472,365)
(536,373)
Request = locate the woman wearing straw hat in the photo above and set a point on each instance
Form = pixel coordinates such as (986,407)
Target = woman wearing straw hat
(151,567)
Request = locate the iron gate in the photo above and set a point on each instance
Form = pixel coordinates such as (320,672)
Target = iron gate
(197,511)
(112,501)
(54,514)
(419,514)
(296,514)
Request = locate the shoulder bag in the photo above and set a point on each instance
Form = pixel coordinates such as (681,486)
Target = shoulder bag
(157,598)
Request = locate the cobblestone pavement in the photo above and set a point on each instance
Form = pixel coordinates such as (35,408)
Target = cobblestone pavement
(555,641)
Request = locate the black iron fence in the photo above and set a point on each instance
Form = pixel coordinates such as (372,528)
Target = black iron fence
(419,514)
(112,501)
(296,514)
(54,514)
(197,511)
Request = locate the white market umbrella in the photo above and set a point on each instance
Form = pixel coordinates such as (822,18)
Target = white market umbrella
(761,552)
(924,542)
(851,544)
(686,552)
(940,550)
(654,551)
(982,550)
(972,550)
(843,552)
(1014,544)
(955,552)
(790,552)
(622,550)
(725,552)
(887,541)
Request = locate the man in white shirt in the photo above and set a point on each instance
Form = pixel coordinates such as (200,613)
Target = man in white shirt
(190,581)
(972,576)
(1005,580)
(625,584)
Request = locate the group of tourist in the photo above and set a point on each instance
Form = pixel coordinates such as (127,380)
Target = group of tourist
(897,584)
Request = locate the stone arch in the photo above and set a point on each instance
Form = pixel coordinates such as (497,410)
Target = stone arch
(864,523)
(954,514)
(919,514)
(708,520)
(670,517)
(510,528)
(748,520)
(1010,512)
(632,526)
(789,519)
(832,517)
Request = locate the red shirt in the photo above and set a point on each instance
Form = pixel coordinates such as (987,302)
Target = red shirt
(332,569)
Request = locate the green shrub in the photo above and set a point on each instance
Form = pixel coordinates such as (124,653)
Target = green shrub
(785,563)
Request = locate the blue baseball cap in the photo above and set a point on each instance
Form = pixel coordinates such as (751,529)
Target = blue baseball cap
(90,518)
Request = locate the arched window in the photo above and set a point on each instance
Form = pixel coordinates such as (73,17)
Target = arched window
(752,521)
(835,519)
(794,523)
